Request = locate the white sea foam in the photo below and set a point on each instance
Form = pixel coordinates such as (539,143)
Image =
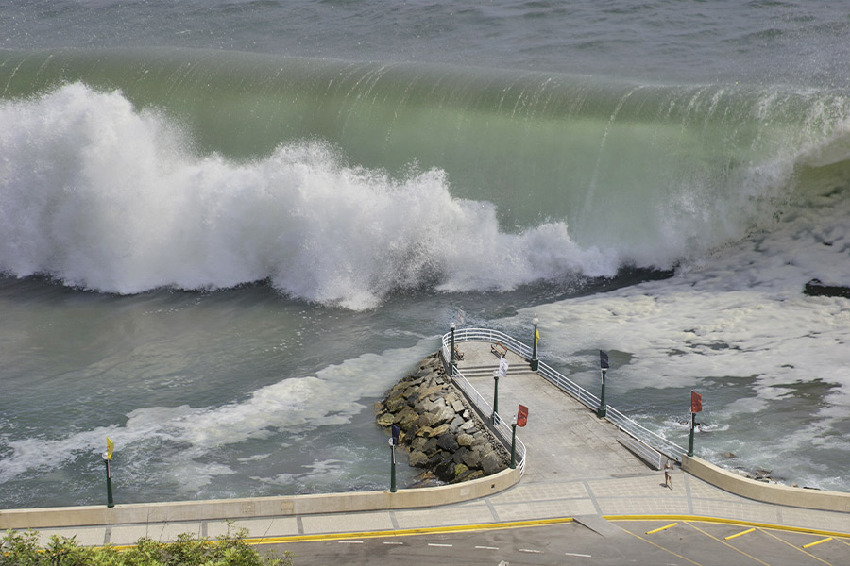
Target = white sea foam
(331,397)
(740,317)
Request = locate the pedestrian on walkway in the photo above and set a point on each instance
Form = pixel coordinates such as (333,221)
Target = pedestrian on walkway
(668,474)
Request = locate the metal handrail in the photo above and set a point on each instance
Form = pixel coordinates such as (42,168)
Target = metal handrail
(583,396)
(503,431)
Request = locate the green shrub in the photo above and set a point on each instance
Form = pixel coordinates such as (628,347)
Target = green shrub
(23,549)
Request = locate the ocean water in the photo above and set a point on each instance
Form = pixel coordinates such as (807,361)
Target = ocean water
(226,228)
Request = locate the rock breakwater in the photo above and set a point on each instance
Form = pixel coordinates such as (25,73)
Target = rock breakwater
(443,434)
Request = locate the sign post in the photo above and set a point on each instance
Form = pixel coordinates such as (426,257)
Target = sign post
(393,443)
(107,457)
(535,363)
(520,420)
(603,363)
(696,407)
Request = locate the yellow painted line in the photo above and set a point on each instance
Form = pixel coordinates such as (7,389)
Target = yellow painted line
(659,529)
(742,533)
(797,548)
(738,550)
(658,546)
(720,521)
(409,532)
(811,544)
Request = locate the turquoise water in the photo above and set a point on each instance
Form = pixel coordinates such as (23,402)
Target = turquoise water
(227,228)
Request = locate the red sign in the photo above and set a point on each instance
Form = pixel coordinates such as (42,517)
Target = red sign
(696,402)
(522,416)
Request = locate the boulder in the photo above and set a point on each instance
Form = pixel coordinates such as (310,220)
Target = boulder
(386,419)
(407,417)
(460,470)
(447,442)
(438,431)
(444,415)
(464,439)
(418,459)
(395,403)
(492,463)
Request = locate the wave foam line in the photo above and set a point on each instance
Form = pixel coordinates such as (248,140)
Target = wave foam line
(103,197)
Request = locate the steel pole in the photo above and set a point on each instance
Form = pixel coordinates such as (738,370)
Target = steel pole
(392,467)
(535,363)
(513,448)
(691,437)
(109,502)
(602,411)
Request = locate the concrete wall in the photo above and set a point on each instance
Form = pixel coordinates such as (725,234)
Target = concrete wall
(257,507)
(767,493)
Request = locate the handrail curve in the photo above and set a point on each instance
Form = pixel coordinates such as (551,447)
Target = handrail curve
(656,441)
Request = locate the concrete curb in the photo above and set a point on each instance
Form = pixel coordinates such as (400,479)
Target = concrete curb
(764,492)
(220,509)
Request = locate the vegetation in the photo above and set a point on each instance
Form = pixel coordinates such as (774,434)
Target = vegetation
(23,549)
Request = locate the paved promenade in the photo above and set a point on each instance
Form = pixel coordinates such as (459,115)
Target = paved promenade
(576,469)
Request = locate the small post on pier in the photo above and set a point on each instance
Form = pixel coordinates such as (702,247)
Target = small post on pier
(107,457)
(453,363)
(603,363)
(696,407)
(393,443)
(534,361)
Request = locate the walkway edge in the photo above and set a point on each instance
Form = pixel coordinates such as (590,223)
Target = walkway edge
(764,492)
(275,506)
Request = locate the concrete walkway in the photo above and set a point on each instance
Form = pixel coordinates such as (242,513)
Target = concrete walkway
(575,468)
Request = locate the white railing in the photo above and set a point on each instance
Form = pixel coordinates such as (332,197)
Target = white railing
(503,431)
(583,396)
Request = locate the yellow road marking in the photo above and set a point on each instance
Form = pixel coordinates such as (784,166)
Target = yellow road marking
(797,548)
(409,532)
(519,524)
(742,533)
(658,546)
(817,542)
(716,520)
(738,550)
(659,529)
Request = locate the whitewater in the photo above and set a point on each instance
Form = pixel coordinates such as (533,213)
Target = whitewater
(221,256)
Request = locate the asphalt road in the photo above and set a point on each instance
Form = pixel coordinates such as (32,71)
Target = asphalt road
(637,542)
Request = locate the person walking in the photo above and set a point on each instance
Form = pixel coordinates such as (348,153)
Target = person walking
(668,474)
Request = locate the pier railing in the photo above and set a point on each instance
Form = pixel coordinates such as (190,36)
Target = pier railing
(642,439)
(504,431)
